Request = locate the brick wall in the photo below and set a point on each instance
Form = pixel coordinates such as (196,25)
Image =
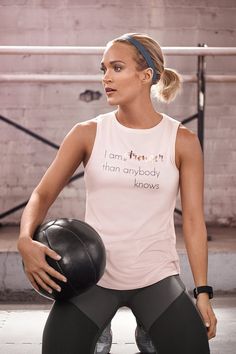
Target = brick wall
(52,109)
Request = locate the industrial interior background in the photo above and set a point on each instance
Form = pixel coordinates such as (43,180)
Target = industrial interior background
(51,109)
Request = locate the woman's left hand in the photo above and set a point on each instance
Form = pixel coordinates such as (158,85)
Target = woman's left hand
(204,306)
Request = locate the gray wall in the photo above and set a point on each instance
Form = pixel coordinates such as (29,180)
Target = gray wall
(52,109)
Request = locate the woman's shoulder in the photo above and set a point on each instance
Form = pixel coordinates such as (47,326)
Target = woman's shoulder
(187,144)
(186,136)
(91,124)
(183,133)
(85,131)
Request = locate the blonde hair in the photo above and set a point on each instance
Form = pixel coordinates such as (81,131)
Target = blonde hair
(169,80)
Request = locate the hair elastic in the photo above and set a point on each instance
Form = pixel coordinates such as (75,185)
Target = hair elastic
(145,54)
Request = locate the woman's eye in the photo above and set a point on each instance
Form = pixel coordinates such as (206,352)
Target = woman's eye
(117,68)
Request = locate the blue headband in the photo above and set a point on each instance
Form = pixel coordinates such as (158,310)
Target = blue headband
(145,54)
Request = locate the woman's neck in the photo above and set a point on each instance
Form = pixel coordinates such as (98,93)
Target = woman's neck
(138,117)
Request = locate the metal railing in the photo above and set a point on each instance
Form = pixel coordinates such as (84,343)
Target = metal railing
(70,50)
(65,78)
(201,78)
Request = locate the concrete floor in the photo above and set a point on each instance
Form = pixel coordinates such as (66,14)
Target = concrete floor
(21,327)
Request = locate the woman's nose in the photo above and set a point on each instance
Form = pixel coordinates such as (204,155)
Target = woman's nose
(106,77)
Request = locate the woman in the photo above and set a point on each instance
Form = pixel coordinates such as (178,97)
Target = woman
(135,160)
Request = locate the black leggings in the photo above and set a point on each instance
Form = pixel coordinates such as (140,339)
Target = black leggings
(164,310)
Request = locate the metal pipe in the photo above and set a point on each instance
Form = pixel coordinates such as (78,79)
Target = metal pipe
(72,50)
(49,78)
(220,78)
(37,78)
(218,51)
(201,96)
(29,132)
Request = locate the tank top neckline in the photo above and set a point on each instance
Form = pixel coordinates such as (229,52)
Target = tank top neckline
(138,130)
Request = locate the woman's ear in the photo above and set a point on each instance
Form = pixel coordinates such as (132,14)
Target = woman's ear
(147,75)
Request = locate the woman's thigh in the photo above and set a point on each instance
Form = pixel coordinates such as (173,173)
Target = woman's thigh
(74,326)
(170,317)
(180,329)
(150,302)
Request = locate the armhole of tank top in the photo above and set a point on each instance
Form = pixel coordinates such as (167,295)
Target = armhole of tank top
(97,120)
(173,144)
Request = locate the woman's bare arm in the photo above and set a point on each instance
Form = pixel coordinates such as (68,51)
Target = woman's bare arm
(191,169)
(72,152)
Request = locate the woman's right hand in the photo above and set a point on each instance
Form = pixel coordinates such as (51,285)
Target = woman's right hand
(36,267)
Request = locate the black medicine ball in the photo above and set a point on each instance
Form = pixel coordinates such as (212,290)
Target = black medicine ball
(83,255)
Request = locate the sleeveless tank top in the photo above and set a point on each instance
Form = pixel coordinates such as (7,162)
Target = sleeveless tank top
(131,184)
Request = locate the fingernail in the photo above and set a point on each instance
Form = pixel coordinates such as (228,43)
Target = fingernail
(58,289)
(207,324)
(65,280)
(50,291)
(58,257)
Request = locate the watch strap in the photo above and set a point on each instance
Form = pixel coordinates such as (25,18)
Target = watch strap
(203,289)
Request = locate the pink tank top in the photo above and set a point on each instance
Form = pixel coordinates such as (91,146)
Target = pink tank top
(131,186)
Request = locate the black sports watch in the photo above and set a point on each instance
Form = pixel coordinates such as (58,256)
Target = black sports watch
(203,289)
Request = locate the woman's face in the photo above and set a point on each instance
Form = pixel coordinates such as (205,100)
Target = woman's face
(120,74)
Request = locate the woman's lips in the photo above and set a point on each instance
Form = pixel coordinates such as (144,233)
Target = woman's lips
(109,90)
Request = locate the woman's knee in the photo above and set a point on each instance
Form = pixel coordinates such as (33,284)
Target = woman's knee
(68,331)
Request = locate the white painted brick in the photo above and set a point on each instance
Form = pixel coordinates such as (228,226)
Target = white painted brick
(115,3)
(12,3)
(220,168)
(220,4)
(220,122)
(67,19)
(219,180)
(221,93)
(23,17)
(187,66)
(65,95)
(214,18)
(18,95)
(104,17)
(202,3)
(227,144)
(219,133)
(9,16)
(220,65)
(24,37)
(63,116)
(47,3)
(26,63)
(170,17)
(216,37)
(52,64)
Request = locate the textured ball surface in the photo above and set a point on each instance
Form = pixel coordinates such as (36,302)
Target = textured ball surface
(83,255)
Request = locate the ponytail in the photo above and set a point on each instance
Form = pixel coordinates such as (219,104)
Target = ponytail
(169,85)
